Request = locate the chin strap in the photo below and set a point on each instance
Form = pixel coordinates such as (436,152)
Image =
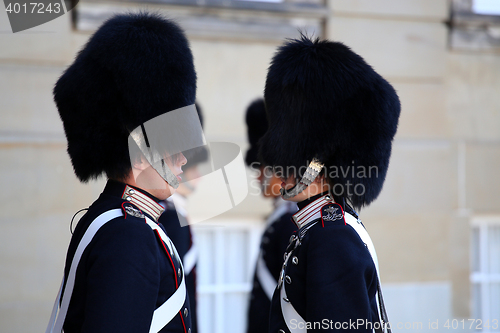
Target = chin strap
(141,139)
(310,175)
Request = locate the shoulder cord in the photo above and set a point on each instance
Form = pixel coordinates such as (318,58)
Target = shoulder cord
(71,224)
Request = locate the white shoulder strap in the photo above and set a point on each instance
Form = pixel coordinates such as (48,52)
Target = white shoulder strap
(55,325)
(161,315)
(167,311)
(363,234)
(266,280)
(190,258)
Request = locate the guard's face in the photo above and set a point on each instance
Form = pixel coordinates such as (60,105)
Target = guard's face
(147,178)
(163,140)
(288,183)
(175,164)
(270,183)
(190,180)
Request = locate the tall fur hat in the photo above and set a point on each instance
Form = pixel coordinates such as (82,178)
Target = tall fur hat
(134,68)
(324,101)
(256,120)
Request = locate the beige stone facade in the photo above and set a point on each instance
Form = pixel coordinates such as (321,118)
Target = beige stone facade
(443,172)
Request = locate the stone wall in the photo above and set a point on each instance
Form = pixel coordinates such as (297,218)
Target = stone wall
(443,171)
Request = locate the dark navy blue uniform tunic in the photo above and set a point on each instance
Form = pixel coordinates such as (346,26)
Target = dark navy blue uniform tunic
(273,245)
(330,278)
(179,231)
(126,271)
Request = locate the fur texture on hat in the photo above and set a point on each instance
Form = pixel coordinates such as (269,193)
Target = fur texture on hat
(134,68)
(256,120)
(324,101)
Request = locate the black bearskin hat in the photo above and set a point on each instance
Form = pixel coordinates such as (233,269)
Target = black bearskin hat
(256,120)
(134,68)
(324,101)
(197,155)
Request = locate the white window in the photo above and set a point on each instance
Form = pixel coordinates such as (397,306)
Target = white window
(227,251)
(485,272)
(486,7)
(252,20)
(474,25)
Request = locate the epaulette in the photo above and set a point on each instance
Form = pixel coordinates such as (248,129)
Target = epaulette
(332,212)
(131,210)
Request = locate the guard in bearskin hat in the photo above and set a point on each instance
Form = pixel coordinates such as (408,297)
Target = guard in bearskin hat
(176,222)
(279,226)
(332,120)
(127,105)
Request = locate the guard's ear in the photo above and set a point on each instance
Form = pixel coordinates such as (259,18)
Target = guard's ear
(140,163)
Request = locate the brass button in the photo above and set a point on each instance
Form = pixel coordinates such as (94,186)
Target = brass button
(288,279)
(185,312)
(128,198)
(286,299)
(179,272)
(295,260)
(131,192)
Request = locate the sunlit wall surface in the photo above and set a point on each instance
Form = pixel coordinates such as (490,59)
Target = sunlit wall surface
(433,225)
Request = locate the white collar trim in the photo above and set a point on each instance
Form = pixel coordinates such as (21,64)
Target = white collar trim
(311,212)
(143,202)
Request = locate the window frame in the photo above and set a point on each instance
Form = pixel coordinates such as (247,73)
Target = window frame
(471,31)
(225,20)
(219,289)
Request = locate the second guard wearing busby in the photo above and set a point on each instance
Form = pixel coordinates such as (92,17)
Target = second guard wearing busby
(332,120)
(125,103)
(279,225)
